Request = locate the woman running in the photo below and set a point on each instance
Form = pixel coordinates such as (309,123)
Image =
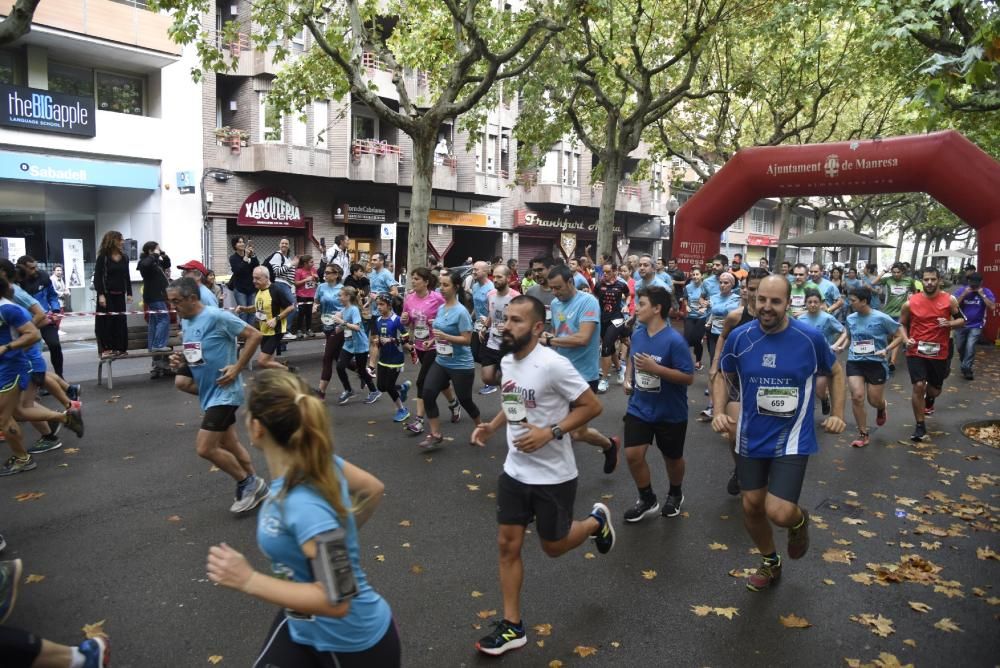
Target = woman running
(697,315)
(327,302)
(419,309)
(720,305)
(453,363)
(355,348)
(307,515)
(389,340)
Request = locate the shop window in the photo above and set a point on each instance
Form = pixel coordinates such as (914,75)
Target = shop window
(272,125)
(71,80)
(120,93)
(320,120)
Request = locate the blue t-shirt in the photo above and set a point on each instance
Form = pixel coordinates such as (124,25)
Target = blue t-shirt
(283,526)
(669,403)
(454,321)
(12,316)
(209,343)
(656,281)
(876,301)
(206,297)
(720,307)
(869,333)
(328,298)
(827,324)
(694,294)
(711,285)
(777,375)
(381,281)
(580,282)
(567,319)
(480,297)
(391,354)
(36,361)
(355,342)
(829,291)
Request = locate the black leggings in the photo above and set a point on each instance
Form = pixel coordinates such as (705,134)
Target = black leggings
(694,332)
(331,352)
(361,360)
(609,337)
(712,340)
(280,651)
(50,334)
(18,648)
(438,378)
(426,358)
(305,319)
(385,380)
(111,330)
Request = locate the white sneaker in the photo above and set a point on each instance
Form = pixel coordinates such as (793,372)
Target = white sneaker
(621,375)
(602,386)
(289,336)
(250,500)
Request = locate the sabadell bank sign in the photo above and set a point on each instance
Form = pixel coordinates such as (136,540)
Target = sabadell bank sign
(45,111)
(270,208)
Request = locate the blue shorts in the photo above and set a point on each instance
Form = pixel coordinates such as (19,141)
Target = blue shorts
(9,379)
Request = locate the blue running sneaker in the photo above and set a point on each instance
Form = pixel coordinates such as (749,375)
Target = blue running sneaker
(401,415)
(404,392)
(97,652)
(10,578)
(373,397)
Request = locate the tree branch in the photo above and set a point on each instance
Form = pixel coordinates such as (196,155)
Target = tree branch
(18,22)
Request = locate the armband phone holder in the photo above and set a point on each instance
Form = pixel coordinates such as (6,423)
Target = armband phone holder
(332,566)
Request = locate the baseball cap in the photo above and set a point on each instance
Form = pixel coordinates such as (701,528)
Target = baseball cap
(194,264)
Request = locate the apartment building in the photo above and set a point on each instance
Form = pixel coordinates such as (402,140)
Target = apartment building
(95,135)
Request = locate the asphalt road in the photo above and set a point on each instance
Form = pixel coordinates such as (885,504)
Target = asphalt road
(127,517)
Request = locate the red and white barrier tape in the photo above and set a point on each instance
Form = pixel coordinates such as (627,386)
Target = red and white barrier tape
(80,314)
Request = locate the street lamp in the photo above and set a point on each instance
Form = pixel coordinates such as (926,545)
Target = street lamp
(672,206)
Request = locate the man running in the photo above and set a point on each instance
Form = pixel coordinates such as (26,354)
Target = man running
(197,271)
(544,400)
(719,264)
(270,308)
(380,278)
(659,371)
(480,288)
(613,295)
(799,285)
(827,289)
(210,359)
(496,306)
(775,360)
(867,335)
(575,316)
(928,318)
(541,291)
(898,288)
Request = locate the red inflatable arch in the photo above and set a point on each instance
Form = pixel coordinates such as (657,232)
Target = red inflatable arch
(945,165)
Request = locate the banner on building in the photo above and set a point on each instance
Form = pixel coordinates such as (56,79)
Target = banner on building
(73,263)
(271,208)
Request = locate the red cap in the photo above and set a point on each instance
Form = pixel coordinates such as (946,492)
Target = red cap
(194,264)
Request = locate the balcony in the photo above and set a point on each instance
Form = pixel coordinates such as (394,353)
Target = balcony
(446,175)
(628,199)
(373,160)
(494,185)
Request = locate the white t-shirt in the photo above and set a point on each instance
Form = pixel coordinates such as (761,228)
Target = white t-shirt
(496,306)
(540,388)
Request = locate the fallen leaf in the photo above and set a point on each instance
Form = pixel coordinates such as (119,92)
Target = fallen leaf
(794,622)
(372,421)
(416,569)
(405,523)
(863,578)
(985,553)
(71,451)
(879,625)
(835,556)
(370,435)
(842,541)
(176,424)
(215,659)
(607,497)
(828,581)
(379,557)
(717,546)
(649,575)
(29,496)
(945,624)
(174,518)
(615,644)
(852,521)
(543,629)
(701,610)
(930,546)
(94,630)
(406,545)
(31,579)
(476,594)
(866,534)
(126,457)
(555,663)
(589,555)
(540,643)
(741,572)
(911,642)
(950,592)
(473,488)
(920,607)
(726,612)
(486,614)
(584,651)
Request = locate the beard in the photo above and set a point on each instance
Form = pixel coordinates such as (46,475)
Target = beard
(510,344)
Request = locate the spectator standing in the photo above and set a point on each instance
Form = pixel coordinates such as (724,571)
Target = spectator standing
(59,283)
(153,266)
(114,291)
(974,301)
(282,267)
(242,262)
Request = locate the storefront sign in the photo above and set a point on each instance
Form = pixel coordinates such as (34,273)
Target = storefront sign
(528,218)
(271,208)
(461,218)
(760,240)
(567,241)
(45,111)
(359,213)
(77,171)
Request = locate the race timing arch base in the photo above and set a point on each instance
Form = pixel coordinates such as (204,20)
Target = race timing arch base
(945,165)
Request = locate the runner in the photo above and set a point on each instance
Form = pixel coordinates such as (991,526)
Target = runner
(697,315)
(898,288)
(544,399)
(541,291)
(196,270)
(659,371)
(270,308)
(380,278)
(613,297)
(388,343)
(647,275)
(775,360)
(496,305)
(831,329)
(925,318)
(419,310)
(975,302)
(453,363)
(828,290)
(867,340)
(320,501)
(17,334)
(327,302)
(711,283)
(210,360)
(480,288)
(355,349)
(800,283)
(575,318)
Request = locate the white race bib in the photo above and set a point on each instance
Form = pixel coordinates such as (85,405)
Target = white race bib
(514,408)
(261,316)
(192,353)
(327,319)
(777,401)
(444,348)
(348,333)
(798,301)
(929,348)
(421,331)
(548,314)
(898,290)
(647,382)
(863,347)
(480,324)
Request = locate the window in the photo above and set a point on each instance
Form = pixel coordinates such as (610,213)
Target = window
(548,172)
(491,152)
(8,69)
(71,80)
(762,222)
(271,122)
(320,119)
(365,127)
(574,169)
(737,225)
(120,93)
(218,112)
(810,225)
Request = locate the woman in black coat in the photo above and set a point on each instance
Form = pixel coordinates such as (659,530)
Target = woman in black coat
(114,289)
(242,262)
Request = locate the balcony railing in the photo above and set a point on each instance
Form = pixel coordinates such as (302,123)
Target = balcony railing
(370,61)
(235,47)
(526,179)
(361,147)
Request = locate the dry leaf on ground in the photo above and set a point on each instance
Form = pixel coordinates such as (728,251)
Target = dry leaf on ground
(543,629)
(649,575)
(985,553)
(945,624)
(584,651)
(476,594)
(794,622)
(920,607)
(589,555)
(835,556)
(215,659)
(726,612)
(31,579)
(29,496)
(94,630)
(486,614)
(701,610)
(879,625)
(718,546)
(416,569)
(555,663)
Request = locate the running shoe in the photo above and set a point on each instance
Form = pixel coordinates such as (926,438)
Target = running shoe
(605,535)
(929,409)
(15,465)
(431,442)
(505,637)
(404,391)
(705,415)
(733,486)
(825,405)
(74,391)
(45,444)
(920,433)
(861,441)
(10,578)
(250,499)
(798,538)
(641,509)
(883,414)
(487,389)
(706,392)
(968,375)
(621,375)
(602,385)
(288,337)
(344,397)
(672,506)
(401,415)
(373,397)
(892,368)
(54,426)
(698,366)
(456,412)
(74,421)
(766,574)
(97,652)
(611,456)
(3,543)
(415,426)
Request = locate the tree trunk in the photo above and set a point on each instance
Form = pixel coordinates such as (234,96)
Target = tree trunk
(899,242)
(606,217)
(420,201)
(784,224)
(916,247)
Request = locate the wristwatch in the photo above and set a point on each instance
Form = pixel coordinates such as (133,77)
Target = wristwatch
(557,433)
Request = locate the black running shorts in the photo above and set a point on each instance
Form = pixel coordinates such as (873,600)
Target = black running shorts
(269,344)
(782,476)
(219,418)
(551,506)
(669,436)
(488,356)
(872,372)
(932,371)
